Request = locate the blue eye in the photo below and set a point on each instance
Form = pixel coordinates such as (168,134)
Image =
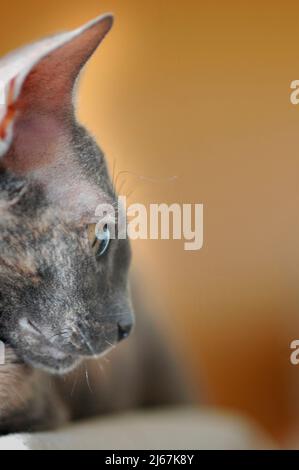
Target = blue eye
(104,238)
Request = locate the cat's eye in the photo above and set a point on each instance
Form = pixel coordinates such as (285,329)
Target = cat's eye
(99,239)
(104,238)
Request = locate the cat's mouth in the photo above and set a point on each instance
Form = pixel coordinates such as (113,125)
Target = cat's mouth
(51,360)
(48,352)
(48,358)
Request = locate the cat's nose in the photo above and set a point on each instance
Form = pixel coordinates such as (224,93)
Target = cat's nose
(124,329)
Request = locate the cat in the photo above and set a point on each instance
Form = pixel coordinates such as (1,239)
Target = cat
(64,289)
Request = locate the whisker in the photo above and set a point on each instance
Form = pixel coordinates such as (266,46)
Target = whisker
(132,192)
(123,182)
(75,383)
(145,178)
(87,380)
(113,171)
(100,366)
(62,333)
(87,342)
(110,344)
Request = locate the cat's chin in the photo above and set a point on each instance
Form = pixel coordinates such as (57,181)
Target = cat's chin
(49,358)
(52,365)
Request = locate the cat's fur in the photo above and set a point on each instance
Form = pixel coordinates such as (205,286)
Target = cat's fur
(141,372)
(59,303)
(59,300)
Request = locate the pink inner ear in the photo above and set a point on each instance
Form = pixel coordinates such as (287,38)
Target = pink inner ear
(44,73)
(48,87)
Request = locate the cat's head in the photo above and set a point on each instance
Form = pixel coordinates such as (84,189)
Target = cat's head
(63,294)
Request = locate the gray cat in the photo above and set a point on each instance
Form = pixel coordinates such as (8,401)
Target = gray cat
(64,292)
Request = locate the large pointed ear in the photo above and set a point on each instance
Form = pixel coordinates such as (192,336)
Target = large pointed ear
(36,93)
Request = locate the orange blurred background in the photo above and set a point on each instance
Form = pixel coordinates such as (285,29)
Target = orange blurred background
(202,91)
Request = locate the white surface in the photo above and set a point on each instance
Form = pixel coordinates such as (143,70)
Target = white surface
(176,429)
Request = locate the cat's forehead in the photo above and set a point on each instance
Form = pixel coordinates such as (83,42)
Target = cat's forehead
(79,183)
(74,185)
(91,160)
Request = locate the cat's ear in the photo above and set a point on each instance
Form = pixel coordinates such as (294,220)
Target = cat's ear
(36,93)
